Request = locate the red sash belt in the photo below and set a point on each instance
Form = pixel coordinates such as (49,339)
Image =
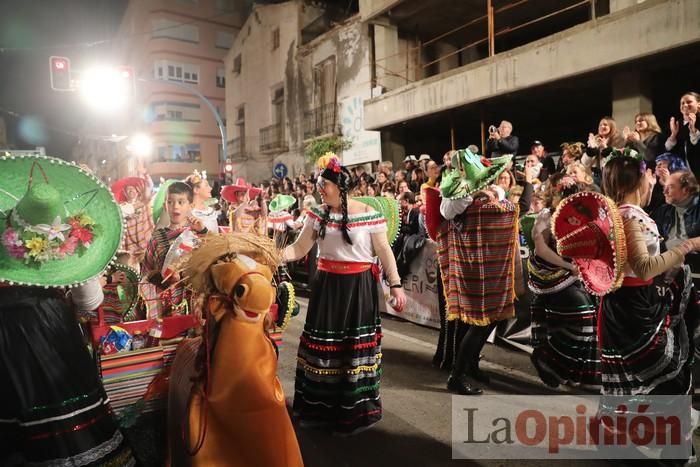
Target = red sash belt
(346,267)
(636,282)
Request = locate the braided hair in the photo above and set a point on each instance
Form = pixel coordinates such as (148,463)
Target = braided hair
(343,181)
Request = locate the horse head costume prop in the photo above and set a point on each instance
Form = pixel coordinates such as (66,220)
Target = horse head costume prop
(226,405)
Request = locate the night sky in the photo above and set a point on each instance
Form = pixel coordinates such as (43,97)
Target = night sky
(30,32)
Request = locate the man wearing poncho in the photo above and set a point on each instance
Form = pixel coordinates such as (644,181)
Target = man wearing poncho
(479,257)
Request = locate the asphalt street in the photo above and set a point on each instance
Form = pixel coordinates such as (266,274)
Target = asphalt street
(416,428)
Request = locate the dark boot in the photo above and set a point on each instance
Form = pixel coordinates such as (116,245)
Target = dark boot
(460,385)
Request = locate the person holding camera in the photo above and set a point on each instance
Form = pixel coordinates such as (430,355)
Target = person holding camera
(501,140)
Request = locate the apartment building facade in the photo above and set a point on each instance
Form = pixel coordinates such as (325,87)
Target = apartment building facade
(177,50)
(553,68)
(297,72)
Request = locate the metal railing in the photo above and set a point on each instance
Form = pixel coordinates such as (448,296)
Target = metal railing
(320,121)
(272,138)
(415,68)
(236,147)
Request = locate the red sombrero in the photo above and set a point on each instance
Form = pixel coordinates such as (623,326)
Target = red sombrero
(228,192)
(120,185)
(589,230)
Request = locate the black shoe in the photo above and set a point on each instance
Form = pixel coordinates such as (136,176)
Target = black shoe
(460,386)
(479,376)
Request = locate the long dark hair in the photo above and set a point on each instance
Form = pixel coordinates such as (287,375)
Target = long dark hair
(621,176)
(343,181)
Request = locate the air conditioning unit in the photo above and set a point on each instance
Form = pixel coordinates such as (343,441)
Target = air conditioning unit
(377,91)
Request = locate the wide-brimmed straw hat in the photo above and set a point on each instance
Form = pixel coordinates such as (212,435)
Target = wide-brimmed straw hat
(59,225)
(589,230)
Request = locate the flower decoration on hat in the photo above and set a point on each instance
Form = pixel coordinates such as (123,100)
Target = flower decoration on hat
(334,165)
(329,161)
(43,242)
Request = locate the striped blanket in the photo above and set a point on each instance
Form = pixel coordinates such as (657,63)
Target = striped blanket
(476,252)
(129,377)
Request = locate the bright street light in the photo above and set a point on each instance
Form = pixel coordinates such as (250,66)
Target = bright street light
(104,89)
(140,145)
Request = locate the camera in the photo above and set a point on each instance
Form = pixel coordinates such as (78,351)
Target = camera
(493,129)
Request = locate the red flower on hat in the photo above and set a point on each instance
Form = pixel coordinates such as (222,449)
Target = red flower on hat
(82,234)
(334,165)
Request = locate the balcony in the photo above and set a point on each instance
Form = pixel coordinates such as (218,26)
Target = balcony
(272,138)
(320,121)
(236,148)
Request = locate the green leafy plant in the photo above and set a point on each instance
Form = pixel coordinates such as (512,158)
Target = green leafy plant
(320,146)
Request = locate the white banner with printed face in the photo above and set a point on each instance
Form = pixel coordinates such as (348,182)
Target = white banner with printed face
(420,286)
(366,145)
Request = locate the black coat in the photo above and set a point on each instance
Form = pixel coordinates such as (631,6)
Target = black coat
(686,150)
(507,145)
(649,147)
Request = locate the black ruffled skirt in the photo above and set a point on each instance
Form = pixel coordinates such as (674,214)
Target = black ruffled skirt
(53,407)
(565,346)
(339,358)
(645,347)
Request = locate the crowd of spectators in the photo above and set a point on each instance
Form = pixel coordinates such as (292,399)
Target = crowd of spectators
(525,181)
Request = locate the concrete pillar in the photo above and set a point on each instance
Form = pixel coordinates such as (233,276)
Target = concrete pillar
(448,63)
(631,94)
(391,66)
(470,55)
(392,150)
(617,5)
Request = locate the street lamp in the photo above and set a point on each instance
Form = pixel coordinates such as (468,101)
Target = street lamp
(140,145)
(104,88)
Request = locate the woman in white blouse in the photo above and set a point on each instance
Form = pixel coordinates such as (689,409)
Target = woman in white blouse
(339,357)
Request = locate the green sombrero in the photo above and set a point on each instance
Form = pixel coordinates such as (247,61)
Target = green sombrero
(124,297)
(282,203)
(471,173)
(389,209)
(59,225)
(159,199)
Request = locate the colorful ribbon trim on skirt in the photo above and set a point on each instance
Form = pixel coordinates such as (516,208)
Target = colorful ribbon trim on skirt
(347,267)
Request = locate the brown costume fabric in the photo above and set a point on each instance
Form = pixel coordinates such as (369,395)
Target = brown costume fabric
(253,428)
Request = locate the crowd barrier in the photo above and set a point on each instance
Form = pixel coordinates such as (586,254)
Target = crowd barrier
(421,289)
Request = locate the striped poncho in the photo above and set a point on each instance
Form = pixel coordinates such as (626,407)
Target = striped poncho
(477,252)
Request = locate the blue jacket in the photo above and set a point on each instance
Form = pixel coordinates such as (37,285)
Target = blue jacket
(665,217)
